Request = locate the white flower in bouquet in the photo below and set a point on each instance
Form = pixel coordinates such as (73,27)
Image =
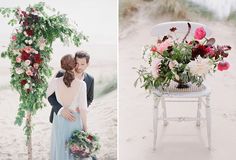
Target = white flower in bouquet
(161,47)
(173,64)
(42,43)
(26,86)
(19,70)
(200,66)
(16,52)
(27,62)
(29,41)
(176,76)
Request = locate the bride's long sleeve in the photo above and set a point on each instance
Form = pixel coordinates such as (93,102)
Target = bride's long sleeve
(51,87)
(82,102)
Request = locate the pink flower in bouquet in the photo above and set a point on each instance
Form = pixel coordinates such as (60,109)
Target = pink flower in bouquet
(155,67)
(28,49)
(13,38)
(223,66)
(18,59)
(161,47)
(154,49)
(36,65)
(29,72)
(74,148)
(200,33)
(210,51)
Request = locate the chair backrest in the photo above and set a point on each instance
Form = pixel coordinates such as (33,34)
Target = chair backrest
(162,29)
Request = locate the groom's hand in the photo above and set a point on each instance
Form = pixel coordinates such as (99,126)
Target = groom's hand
(67,114)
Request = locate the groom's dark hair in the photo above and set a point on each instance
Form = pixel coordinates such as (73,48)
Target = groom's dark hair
(82,54)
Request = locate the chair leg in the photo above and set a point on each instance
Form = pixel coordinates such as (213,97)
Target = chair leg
(198,111)
(163,103)
(208,118)
(155,119)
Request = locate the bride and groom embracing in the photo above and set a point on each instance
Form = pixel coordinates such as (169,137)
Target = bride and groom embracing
(70,93)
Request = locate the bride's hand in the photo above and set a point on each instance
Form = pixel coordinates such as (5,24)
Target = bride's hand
(85,129)
(77,110)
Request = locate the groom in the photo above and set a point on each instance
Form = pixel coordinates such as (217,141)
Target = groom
(82,61)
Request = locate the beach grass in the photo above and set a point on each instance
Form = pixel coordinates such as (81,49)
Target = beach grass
(104,85)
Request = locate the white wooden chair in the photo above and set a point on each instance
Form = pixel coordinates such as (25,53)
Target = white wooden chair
(192,94)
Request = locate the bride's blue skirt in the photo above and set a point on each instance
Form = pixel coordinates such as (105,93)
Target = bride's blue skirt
(61,132)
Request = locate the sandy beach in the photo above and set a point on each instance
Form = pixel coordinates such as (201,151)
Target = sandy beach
(179,140)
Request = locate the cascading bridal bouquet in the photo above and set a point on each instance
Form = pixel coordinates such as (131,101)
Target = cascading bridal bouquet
(185,62)
(83,144)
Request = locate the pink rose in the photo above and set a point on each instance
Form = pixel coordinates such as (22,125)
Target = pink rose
(210,51)
(28,49)
(36,65)
(154,49)
(223,66)
(13,38)
(29,72)
(18,59)
(200,33)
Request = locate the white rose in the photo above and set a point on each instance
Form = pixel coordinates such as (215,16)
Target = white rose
(25,34)
(30,41)
(27,62)
(19,70)
(16,52)
(26,86)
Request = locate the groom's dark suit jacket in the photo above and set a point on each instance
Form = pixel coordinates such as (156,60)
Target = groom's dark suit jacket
(56,106)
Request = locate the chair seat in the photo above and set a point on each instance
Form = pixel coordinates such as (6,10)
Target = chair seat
(191,92)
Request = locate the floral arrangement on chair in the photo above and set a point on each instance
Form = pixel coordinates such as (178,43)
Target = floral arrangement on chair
(83,144)
(185,62)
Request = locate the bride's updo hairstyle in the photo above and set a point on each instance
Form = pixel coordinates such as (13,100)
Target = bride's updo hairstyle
(68,64)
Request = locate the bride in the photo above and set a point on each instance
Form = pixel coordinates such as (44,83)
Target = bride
(71,93)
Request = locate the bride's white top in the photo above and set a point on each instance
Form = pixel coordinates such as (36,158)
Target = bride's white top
(71,97)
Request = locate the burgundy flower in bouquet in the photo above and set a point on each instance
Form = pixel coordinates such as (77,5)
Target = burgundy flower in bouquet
(83,144)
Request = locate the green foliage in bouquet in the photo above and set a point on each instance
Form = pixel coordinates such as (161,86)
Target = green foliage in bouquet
(30,51)
(83,144)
